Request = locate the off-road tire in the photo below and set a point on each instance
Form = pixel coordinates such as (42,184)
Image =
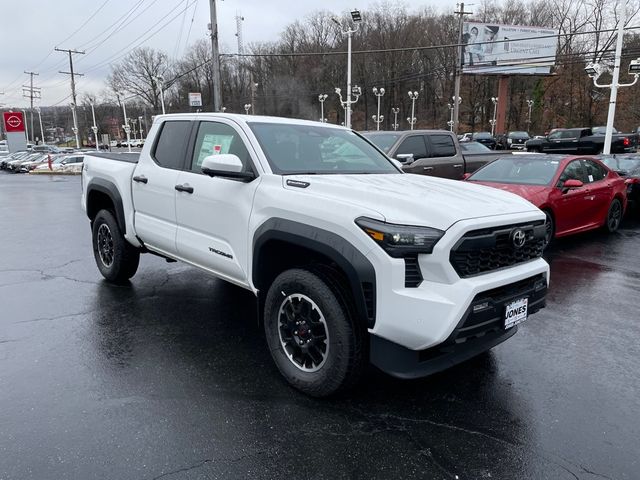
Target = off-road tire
(116,258)
(345,358)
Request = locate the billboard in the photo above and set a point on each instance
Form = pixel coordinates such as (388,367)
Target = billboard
(489,48)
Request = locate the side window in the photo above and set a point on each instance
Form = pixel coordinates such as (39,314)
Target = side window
(573,171)
(442,146)
(171,147)
(555,136)
(216,138)
(415,145)
(594,172)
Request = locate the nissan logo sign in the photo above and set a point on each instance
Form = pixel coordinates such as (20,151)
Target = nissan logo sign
(518,238)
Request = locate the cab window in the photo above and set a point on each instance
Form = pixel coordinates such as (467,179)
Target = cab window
(216,138)
(415,145)
(593,171)
(172,143)
(573,171)
(442,146)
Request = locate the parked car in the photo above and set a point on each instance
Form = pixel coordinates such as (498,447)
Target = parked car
(575,193)
(628,167)
(484,138)
(62,163)
(428,152)
(11,157)
(351,260)
(513,141)
(465,137)
(13,166)
(26,167)
(47,149)
(579,141)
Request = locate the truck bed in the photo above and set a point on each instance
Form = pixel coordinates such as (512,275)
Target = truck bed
(132,157)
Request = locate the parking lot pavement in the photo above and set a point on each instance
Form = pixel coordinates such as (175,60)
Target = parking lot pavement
(170,378)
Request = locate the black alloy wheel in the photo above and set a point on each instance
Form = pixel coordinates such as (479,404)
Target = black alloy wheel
(614,217)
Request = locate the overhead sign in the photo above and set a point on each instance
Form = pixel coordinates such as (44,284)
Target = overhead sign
(13,122)
(494,49)
(195,99)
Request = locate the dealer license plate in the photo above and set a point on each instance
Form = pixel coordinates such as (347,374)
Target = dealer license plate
(516,312)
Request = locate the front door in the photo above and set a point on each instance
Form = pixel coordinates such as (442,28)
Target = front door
(573,210)
(213,212)
(153,187)
(414,145)
(446,162)
(600,191)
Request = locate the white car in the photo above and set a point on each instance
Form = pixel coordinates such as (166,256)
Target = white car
(69,163)
(350,259)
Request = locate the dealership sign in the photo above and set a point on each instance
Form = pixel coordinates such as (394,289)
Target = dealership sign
(195,99)
(489,48)
(13,122)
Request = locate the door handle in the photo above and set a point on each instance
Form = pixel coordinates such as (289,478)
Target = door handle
(457,165)
(184,188)
(427,169)
(140,179)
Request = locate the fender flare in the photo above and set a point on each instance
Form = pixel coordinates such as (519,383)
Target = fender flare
(110,190)
(359,271)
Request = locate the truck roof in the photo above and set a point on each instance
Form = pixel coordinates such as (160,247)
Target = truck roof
(242,119)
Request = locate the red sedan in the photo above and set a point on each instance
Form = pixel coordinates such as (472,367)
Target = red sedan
(576,193)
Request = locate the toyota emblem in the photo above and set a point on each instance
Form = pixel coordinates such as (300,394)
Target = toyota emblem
(518,238)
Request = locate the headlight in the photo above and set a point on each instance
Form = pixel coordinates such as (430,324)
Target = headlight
(400,240)
(509,140)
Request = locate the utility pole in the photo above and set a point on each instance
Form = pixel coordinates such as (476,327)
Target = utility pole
(458,71)
(215,58)
(31,92)
(73,87)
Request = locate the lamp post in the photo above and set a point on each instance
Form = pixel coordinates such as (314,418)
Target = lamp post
(452,109)
(26,127)
(94,128)
(40,119)
(357,18)
(126,126)
(378,118)
(141,129)
(595,70)
(356,91)
(75,124)
(247,107)
(160,82)
(321,98)
(395,112)
(530,104)
(492,122)
(412,119)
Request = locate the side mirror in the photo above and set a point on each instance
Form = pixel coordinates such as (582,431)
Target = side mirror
(226,165)
(405,158)
(571,184)
(466,175)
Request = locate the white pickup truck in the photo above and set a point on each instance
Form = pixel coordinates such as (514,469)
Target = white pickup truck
(351,260)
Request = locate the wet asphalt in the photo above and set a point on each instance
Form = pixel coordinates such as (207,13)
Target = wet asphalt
(170,378)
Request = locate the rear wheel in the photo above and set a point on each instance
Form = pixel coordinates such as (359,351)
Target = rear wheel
(116,258)
(311,333)
(614,216)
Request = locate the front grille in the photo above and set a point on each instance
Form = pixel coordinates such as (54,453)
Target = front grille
(489,249)
(412,274)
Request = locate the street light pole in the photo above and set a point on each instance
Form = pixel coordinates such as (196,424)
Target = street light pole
(530,104)
(94,128)
(412,119)
(357,18)
(75,124)
(378,118)
(26,126)
(452,108)
(321,98)
(395,112)
(126,126)
(247,107)
(160,82)
(41,129)
(493,120)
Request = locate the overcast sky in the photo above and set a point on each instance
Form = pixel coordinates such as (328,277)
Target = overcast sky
(32,28)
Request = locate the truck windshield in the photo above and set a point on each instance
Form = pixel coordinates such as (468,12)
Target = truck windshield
(524,171)
(311,149)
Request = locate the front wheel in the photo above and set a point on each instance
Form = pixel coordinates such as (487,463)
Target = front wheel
(614,216)
(314,340)
(116,258)
(550,229)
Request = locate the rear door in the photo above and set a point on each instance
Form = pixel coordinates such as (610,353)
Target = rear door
(601,191)
(213,213)
(153,186)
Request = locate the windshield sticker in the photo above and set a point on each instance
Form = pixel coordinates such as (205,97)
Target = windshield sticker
(213,144)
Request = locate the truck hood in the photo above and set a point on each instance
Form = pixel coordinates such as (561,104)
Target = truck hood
(414,199)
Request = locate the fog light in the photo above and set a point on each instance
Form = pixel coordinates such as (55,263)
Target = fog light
(540,285)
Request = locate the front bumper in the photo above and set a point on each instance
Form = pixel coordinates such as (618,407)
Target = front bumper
(480,328)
